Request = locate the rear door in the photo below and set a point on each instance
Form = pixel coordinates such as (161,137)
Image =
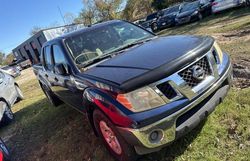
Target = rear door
(48,70)
(64,86)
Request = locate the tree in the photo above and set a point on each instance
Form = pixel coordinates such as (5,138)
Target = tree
(161,4)
(88,14)
(136,9)
(69,18)
(35,30)
(107,9)
(2,55)
(9,59)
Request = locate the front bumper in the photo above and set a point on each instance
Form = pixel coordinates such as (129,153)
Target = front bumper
(173,126)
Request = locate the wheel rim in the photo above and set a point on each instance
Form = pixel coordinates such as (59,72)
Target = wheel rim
(20,93)
(154,27)
(9,113)
(4,149)
(110,137)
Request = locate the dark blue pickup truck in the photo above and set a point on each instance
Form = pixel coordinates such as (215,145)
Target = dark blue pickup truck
(139,91)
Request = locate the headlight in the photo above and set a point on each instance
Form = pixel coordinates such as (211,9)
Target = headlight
(218,51)
(141,100)
(195,13)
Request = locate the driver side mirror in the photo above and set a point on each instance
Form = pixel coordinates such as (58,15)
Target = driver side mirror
(62,69)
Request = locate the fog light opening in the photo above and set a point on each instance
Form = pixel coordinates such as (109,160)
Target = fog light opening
(156,136)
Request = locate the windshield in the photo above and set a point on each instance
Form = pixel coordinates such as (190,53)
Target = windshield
(151,17)
(172,10)
(190,6)
(103,40)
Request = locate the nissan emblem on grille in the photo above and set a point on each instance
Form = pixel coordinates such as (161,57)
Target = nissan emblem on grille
(198,72)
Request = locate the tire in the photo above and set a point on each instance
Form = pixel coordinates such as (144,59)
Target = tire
(54,100)
(8,115)
(248,3)
(123,151)
(5,151)
(19,93)
(154,27)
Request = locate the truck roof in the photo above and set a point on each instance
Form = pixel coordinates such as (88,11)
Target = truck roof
(77,32)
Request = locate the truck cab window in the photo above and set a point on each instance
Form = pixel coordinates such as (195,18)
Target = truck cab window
(58,55)
(47,59)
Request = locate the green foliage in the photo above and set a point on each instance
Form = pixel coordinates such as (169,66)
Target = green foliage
(107,9)
(1,58)
(99,10)
(35,30)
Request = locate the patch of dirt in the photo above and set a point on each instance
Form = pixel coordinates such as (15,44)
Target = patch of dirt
(241,72)
(25,76)
(241,35)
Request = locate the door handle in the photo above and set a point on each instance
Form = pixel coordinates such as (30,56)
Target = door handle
(46,75)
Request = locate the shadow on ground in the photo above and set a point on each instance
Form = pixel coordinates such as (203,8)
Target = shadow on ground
(42,132)
(50,133)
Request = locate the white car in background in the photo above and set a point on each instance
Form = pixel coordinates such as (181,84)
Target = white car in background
(9,94)
(220,5)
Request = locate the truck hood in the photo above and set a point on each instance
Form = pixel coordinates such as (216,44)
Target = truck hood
(151,61)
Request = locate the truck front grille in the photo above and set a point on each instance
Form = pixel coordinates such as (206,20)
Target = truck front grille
(167,90)
(187,74)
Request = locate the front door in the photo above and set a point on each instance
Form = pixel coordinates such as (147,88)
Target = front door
(64,86)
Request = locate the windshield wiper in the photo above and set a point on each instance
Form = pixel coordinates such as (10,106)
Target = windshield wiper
(119,50)
(95,60)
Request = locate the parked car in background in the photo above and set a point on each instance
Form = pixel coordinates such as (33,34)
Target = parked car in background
(189,12)
(139,91)
(150,21)
(206,7)
(25,64)
(12,70)
(4,152)
(221,5)
(247,2)
(167,17)
(9,94)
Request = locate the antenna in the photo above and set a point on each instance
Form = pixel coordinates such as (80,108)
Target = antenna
(61,15)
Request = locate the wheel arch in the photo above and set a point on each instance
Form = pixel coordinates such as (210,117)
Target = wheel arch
(15,83)
(4,100)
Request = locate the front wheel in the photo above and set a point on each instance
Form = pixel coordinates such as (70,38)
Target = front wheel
(154,27)
(248,3)
(113,141)
(5,151)
(8,115)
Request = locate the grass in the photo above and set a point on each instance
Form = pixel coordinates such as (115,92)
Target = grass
(44,133)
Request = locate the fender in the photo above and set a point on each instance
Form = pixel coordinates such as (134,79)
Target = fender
(99,99)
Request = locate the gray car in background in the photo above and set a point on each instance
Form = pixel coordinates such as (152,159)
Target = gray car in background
(9,94)
(220,5)
(12,70)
